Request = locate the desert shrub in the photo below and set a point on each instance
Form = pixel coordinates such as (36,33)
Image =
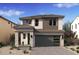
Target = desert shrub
(76,42)
(72,49)
(1,45)
(25,52)
(68,42)
(10,52)
(77,48)
(77,51)
(12,47)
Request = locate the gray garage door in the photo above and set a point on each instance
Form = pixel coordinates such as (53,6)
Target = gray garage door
(45,40)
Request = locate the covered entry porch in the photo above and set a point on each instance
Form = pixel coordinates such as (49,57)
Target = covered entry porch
(24,36)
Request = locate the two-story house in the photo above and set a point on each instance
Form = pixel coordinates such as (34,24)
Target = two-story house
(40,30)
(75,28)
(6,30)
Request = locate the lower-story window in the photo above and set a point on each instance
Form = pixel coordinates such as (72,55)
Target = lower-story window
(28,38)
(24,35)
(19,38)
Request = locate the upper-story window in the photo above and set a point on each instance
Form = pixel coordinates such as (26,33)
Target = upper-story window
(54,22)
(75,26)
(26,21)
(36,22)
(50,22)
(30,21)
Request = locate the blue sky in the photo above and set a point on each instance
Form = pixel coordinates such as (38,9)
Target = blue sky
(14,11)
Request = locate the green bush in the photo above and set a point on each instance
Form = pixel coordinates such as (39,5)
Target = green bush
(72,49)
(12,47)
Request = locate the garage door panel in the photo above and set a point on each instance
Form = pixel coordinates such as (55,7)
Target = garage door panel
(45,41)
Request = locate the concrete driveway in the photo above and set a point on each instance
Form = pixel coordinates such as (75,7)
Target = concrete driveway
(51,51)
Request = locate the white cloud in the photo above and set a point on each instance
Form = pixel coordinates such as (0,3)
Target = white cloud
(11,12)
(65,5)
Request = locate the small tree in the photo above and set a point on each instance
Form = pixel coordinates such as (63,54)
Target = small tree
(69,36)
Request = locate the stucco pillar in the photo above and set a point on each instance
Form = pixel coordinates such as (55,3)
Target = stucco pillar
(16,39)
(26,42)
(61,41)
(32,39)
(21,38)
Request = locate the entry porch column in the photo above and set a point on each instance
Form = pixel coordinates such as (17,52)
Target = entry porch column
(61,41)
(16,39)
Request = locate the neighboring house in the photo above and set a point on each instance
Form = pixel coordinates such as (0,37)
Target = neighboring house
(75,27)
(40,30)
(6,30)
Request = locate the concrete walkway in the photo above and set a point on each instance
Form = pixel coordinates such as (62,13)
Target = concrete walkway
(51,51)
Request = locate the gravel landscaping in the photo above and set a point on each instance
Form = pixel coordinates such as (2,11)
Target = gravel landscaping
(9,51)
(73,48)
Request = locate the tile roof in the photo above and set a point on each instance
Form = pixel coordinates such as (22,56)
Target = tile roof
(41,16)
(23,26)
(52,31)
